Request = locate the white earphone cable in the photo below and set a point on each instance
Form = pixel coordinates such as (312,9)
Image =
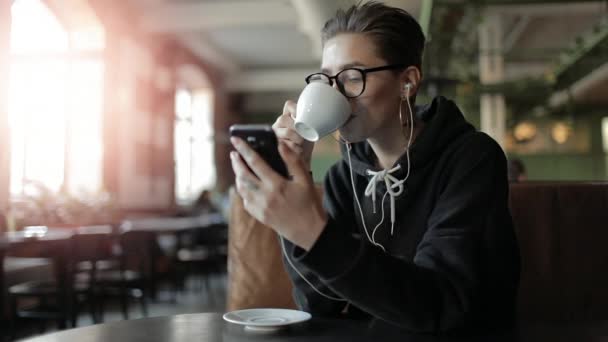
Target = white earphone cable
(341,140)
(391,182)
(352,180)
(303,277)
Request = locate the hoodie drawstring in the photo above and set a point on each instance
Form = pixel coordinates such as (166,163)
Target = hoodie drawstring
(394,187)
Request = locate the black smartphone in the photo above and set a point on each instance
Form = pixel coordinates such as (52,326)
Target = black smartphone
(262,139)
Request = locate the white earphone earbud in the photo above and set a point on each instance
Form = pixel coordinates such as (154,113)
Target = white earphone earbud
(408,86)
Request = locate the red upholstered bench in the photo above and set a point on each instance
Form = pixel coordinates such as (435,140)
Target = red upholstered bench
(562,229)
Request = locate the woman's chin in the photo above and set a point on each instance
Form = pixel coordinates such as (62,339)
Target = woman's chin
(350,134)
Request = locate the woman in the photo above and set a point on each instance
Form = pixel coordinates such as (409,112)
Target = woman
(445,256)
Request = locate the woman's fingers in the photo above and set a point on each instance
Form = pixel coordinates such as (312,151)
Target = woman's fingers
(258,165)
(283,121)
(293,162)
(284,128)
(286,119)
(296,148)
(285,131)
(288,134)
(247,184)
(289,109)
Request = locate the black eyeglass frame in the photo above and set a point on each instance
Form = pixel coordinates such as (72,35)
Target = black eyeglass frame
(363,72)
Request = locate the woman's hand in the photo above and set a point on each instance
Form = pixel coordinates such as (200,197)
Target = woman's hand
(285,130)
(291,207)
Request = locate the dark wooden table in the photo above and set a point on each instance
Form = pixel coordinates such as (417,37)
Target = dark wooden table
(51,244)
(209,327)
(177,228)
(18,238)
(173,225)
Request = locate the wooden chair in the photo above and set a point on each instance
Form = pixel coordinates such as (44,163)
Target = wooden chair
(205,253)
(77,264)
(91,254)
(3,309)
(47,300)
(132,279)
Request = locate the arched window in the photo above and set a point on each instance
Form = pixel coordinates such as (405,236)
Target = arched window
(193,135)
(55,101)
(194,146)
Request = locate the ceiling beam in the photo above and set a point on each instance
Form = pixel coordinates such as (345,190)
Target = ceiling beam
(545,9)
(583,57)
(425,16)
(531,7)
(516,32)
(206,50)
(204,16)
(519,70)
(269,80)
(312,15)
(580,87)
(507,2)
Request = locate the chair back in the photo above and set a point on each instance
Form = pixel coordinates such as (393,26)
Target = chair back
(87,249)
(91,246)
(138,251)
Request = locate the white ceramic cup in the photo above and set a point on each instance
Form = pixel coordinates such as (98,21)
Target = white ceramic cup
(321,110)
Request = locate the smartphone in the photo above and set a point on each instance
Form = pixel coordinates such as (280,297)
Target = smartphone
(262,139)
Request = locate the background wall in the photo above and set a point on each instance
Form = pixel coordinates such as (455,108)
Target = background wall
(141,79)
(5,24)
(587,165)
(558,163)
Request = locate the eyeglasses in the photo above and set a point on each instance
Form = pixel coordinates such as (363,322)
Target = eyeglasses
(350,81)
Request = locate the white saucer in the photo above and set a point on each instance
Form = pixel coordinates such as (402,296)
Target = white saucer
(266,319)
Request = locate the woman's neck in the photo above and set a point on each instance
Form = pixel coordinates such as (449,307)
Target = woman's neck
(390,145)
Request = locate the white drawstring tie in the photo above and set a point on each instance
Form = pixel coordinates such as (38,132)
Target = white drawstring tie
(394,188)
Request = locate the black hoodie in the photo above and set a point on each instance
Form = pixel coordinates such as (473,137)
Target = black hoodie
(452,262)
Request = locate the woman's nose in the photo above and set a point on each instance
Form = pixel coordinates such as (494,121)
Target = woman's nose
(335,86)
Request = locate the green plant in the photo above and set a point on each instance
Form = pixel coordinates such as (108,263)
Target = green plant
(39,205)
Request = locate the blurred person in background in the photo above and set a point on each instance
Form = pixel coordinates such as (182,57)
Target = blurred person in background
(517,170)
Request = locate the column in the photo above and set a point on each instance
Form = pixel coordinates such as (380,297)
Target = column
(5,25)
(491,71)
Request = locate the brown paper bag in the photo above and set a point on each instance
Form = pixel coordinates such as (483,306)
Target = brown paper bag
(256,274)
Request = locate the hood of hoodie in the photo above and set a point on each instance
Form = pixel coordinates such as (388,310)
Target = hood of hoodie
(444,123)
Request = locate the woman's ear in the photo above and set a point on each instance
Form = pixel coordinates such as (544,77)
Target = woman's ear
(412,76)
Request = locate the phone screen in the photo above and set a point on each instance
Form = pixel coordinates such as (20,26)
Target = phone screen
(262,139)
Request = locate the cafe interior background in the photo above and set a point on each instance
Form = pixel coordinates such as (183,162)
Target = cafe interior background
(115,110)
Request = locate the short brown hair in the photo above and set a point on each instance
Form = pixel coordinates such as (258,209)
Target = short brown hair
(397,35)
